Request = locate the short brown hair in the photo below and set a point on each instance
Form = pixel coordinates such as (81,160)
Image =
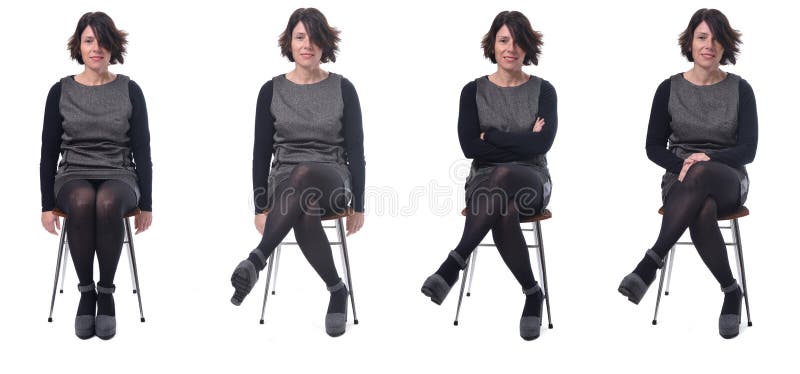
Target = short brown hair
(722,30)
(107,34)
(524,35)
(320,33)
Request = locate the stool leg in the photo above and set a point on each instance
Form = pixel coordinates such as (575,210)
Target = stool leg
(660,288)
(66,259)
(472,271)
(347,273)
(669,269)
(740,259)
(277,264)
(135,271)
(461,294)
(266,288)
(540,243)
(127,240)
(58,268)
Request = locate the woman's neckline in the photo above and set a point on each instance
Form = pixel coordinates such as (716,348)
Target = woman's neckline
(683,76)
(530,78)
(116,76)
(307,84)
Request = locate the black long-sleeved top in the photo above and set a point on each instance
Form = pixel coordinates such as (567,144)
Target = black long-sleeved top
(501,146)
(139,135)
(659,131)
(263,146)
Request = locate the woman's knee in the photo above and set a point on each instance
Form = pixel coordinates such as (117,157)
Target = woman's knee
(114,199)
(704,172)
(501,174)
(302,173)
(80,200)
(708,212)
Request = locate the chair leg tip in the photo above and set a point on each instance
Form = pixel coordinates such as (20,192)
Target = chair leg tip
(550,326)
(134,292)
(666,293)
(261,322)
(355,322)
(273,292)
(49,319)
(60,291)
(655,322)
(469,294)
(749,324)
(455,323)
(141,319)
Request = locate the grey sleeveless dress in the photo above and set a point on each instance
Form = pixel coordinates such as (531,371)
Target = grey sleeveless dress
(509,109)
(95,141)
(704,119)
(308,128)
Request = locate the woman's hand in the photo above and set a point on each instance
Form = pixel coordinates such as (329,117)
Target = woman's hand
(354,222)
(259,221)
(689,161)
(142,221)
(698,157)
(50,222)
(482,135)
(537,127)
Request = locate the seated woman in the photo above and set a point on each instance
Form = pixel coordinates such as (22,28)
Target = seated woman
(703,130)
(310,120)
(97,122)
(507,122)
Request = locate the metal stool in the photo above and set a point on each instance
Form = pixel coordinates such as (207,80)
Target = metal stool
(275,257)
(536,228)
(63,249)
(736,243)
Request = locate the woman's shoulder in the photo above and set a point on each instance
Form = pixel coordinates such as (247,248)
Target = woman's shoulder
(472,86)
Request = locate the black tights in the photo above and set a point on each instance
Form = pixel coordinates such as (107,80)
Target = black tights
(311,191)
(496,205)
(95,209)
(710,189)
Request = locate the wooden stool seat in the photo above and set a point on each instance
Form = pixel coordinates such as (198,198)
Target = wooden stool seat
(58,213)
(545,214)
(742,212)
(347,213)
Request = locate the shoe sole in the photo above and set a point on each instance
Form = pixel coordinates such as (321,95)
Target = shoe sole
(85,336)
(627,293)
(429,293)
(436,288)
(240,280)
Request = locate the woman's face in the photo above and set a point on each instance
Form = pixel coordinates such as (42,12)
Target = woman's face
(706,50)
(507,52)
(94,56)
(305,53)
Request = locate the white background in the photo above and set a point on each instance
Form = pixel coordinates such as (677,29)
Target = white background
(201,64)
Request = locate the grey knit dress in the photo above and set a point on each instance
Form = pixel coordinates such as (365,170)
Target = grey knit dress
(703,119)
(508,109)
(95,141)
(308,128)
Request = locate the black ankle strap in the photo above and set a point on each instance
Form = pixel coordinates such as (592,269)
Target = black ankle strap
(260,256)
(106,290)
(337,286)
(532,290)
(732,287)
(86,287)
(655,257)
(459,260)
